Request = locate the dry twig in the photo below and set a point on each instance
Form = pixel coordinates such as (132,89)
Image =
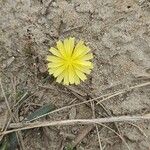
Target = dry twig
(116,134)
(25,126)
(97,130)
(12,116)
(81,135)
(103,97)
(124,91)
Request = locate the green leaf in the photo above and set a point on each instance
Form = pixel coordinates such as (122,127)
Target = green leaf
(10,142)
(41,111)
(69,147)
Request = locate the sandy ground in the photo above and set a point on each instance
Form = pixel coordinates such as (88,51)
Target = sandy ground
(117,31)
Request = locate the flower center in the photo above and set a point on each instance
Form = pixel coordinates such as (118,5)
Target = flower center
(68,61)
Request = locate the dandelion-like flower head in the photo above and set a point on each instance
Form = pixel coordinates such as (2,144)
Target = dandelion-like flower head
(69,62)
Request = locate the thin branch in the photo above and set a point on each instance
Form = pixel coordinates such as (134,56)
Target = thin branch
(103,97)
(25,126)
(124,91)
(143,133)
(12,116)
(99,138)
(6,101)
(96,126)
(67,107)
(116,134)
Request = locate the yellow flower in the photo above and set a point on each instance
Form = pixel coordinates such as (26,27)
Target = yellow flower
(69,62)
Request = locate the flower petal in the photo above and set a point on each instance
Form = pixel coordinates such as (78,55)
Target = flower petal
(54,59)
(60,77)
(51,70)
(67,47)
(77,80)
(80,49)
(54,65)
(84,63)
(66,77)
(81,75)
(79,44)
(55,52)
(59,70)
(61,48)
(86,57)
(83,69)
(71,42)
(71,74)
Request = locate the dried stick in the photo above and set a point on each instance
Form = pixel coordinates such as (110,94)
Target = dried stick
(96,126)
(124,91)
(6,101)
(19,135)
(25,126)
(103,97)
(116,134)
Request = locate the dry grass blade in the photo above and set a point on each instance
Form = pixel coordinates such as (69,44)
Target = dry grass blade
(97,130)
(62,108)
(25,126)
(99,138)
(116,134)
(19,135)
(81,135)
(103,97)
(115,124)
(134,125)
(124,91)
(5,124)
(76,91)
(6,101)
(71,29)
(24,96)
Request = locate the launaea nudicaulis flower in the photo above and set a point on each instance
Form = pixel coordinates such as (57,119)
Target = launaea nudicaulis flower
(69,62)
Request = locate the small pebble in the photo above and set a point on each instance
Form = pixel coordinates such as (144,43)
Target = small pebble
(21,118)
